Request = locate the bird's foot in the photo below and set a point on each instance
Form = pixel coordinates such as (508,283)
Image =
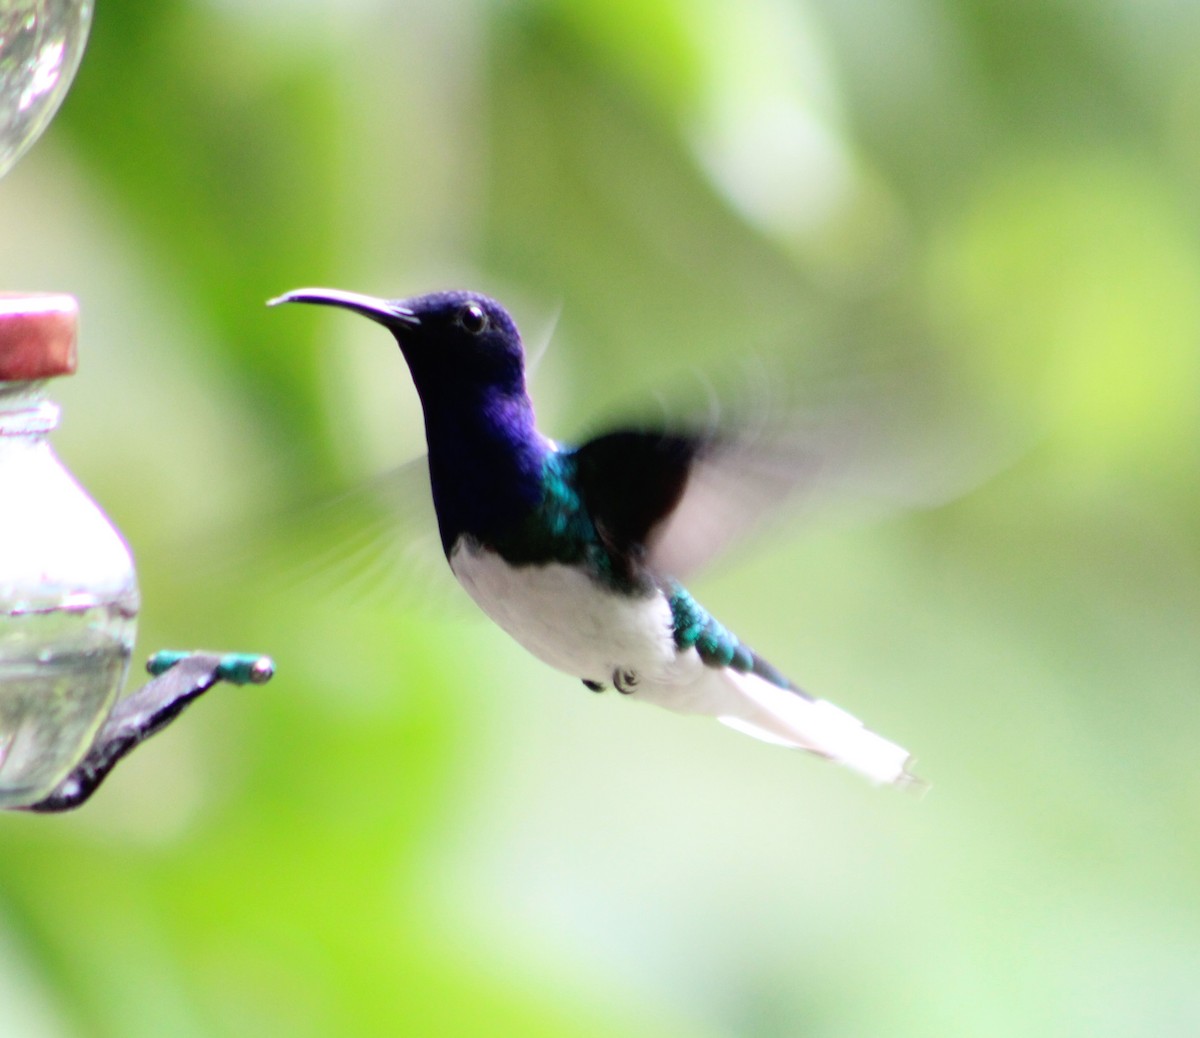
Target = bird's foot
(625,681)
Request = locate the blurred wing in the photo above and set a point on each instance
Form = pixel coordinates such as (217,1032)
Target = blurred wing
(372,545)
(632,480)
(378,540)
(673,498)
(734,486)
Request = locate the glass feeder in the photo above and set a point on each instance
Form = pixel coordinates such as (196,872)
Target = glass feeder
(68,590)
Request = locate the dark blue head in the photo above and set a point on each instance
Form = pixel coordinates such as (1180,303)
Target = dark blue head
(466,360)
(457,343)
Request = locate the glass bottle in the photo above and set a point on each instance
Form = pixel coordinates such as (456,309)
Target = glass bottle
(68,592)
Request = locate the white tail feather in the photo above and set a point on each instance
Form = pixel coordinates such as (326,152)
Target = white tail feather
(756,707)
(778,715)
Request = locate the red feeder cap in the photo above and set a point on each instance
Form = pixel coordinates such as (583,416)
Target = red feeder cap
(37,335)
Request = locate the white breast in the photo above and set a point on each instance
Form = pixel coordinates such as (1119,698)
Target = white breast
(568,620)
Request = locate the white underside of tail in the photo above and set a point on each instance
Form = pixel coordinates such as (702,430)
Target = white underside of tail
(563,618)
(755,707)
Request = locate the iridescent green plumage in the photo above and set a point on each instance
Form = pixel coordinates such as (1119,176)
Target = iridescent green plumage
(560,529)
(694,626)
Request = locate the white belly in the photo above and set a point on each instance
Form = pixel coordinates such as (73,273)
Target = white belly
(577,626)
(568,620)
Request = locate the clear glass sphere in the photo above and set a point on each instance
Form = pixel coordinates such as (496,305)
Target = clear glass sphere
(41,42)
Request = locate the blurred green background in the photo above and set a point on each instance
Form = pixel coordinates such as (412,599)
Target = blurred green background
(416,829)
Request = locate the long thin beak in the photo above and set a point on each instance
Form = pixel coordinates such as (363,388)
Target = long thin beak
(382,310)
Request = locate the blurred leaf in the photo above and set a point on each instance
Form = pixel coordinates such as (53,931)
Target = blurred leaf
(218,150)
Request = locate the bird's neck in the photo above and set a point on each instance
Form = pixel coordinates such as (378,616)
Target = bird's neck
(486,460)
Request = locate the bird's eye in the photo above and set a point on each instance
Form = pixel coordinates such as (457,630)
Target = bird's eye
(472,319)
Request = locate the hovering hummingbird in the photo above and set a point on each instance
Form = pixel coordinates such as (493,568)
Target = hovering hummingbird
(576,551)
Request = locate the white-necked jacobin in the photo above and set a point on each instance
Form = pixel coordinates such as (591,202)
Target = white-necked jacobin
(572,550)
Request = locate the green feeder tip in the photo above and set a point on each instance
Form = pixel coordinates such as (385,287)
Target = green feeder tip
(164,660)
(241,668)
(238,668)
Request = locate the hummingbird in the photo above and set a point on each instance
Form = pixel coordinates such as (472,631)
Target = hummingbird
(576,551)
